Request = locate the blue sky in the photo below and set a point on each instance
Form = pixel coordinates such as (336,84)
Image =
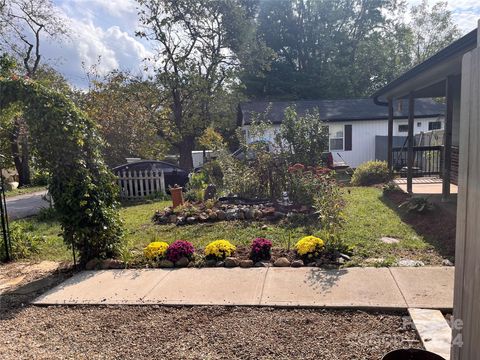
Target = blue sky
(105,28)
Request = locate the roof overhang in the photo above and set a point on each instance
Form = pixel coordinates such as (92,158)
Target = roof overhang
(428,78)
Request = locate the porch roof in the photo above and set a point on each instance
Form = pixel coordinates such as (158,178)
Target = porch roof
(428,78)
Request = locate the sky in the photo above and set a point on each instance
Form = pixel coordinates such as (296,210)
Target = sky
(105,29)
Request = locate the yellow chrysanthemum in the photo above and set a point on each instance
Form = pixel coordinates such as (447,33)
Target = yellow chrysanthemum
(309,246)
(220,249)
(155,250)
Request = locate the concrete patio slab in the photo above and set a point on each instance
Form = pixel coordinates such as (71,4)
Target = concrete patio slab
(210,286)
(426,287)
(354,287)
(104,287)
(433,329)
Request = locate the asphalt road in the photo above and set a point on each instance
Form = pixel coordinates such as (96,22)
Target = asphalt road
(22,206)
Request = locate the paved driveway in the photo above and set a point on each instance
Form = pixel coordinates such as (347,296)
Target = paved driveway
(22,206)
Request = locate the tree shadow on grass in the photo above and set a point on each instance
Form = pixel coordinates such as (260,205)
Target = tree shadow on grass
(437,226)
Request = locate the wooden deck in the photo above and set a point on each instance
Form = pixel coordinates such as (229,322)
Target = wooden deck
(425,185)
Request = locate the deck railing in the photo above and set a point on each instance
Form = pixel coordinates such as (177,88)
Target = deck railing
(427,160)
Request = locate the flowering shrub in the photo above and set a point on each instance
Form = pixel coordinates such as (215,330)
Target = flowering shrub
(179,249)
(219,249)
(261,249)
(155,250)
(309,246)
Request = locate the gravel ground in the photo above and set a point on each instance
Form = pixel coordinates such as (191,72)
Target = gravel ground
(154,332)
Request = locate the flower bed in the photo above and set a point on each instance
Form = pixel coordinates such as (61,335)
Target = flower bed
(201,212)
(308,251)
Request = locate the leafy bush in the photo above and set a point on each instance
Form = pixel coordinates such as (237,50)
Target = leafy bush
(370,172)
(417,204)
(335,244)
(24,243)
(390,186)
(40,178)
(219,249)
(309,247)
(179,249)
(261,249)
(83,189)
(155,250)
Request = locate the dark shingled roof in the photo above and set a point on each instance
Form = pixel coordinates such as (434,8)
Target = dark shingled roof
(338,110)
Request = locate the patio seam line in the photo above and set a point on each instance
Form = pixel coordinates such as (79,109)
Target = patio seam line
(399,288)
(263,286)
(154,286)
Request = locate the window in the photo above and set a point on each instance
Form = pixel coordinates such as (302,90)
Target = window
(402,128)
(434,125)
(335,133)
(419,124)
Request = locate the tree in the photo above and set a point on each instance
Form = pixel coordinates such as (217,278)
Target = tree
(432,29)
(199,47)
(122,106)
(303,139)
(23,25)
(342,48)
(68,145)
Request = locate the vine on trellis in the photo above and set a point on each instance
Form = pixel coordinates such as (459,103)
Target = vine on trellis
(67,144)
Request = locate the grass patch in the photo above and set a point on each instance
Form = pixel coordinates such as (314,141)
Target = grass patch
(367,219)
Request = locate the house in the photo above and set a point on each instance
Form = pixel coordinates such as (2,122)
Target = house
(452,73)
(358,128)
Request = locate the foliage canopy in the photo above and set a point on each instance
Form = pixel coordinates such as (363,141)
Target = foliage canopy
(69,147)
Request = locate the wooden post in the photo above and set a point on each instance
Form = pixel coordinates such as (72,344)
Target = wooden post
(390,137)
(447,139)
(411,141)
(466,309)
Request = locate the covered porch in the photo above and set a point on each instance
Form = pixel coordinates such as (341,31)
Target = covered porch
(438,77)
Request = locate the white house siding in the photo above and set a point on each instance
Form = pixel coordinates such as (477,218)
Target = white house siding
(363,137)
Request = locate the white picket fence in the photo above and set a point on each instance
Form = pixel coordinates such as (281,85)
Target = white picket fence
(140,184)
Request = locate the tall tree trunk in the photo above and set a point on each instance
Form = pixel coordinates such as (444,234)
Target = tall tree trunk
(185,148)
(21,153)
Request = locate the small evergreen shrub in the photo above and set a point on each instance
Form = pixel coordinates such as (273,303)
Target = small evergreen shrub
(370,172)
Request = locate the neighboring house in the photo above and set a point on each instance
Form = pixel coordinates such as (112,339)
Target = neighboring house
(357,127)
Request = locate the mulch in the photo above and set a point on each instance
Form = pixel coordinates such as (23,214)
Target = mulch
(155,332)
(437,226)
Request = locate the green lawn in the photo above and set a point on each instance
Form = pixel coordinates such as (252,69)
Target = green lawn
(367,218)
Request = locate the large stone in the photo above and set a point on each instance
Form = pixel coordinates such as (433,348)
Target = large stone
(182,262)
(93,264)
(212,216)
(203,217)
(231,262)
(172,219)
(268,211)
(389,240)
(246,263)
(190,220)
(112,264)
(297,263)
(231,214)
(410,263)
(281,262)
(221,215)
(165,264)
(220,264)
(240,215)
(446,262)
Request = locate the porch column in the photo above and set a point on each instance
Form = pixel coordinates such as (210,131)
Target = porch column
(390,137)
(411,141)
(447,140)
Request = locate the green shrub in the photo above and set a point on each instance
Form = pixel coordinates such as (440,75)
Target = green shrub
(370,172)
(24,243)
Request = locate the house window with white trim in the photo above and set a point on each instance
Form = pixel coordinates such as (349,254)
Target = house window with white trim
(336,137)
(434,125)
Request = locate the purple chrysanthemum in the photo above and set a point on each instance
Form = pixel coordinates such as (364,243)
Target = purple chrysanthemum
(179,249)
